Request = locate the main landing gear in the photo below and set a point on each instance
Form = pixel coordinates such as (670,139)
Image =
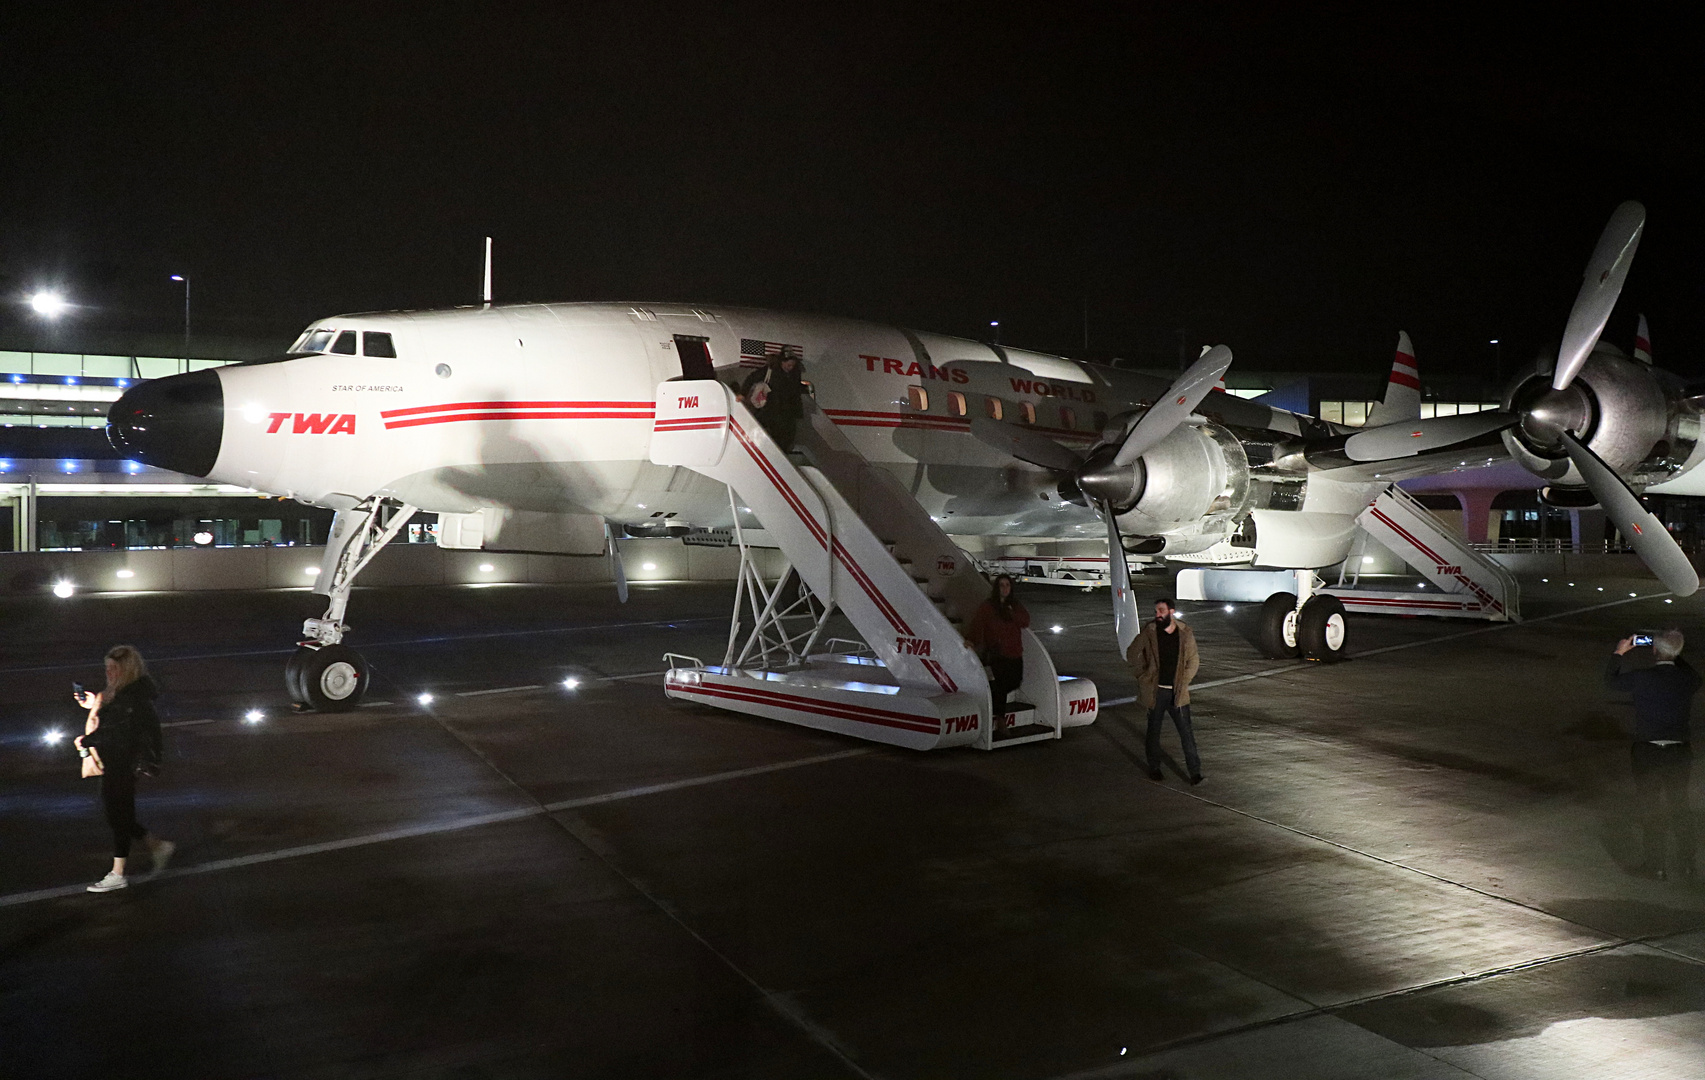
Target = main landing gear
(324,674)
(1304,623)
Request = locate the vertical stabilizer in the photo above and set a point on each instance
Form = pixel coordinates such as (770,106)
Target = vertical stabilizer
(1643,343)
(1402,391)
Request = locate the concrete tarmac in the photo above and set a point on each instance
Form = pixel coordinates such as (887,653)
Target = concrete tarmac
(1415,864)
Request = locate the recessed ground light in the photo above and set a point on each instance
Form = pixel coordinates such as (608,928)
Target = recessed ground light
(571,683)
(424,699)
(254,716)
(486,568)
(311,571)
(1367,560)
(52,736)
(1228,609)
(125,574)
(1057,629)
(63,589)
(649,566)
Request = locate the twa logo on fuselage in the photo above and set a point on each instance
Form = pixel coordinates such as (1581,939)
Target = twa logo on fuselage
(312,423)
(1079,706)
(686,403)
(911,646)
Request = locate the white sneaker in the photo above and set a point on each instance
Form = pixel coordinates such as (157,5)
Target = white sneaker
(109,883)
(162,853)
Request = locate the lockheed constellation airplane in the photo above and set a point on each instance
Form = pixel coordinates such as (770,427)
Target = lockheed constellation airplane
(540,417)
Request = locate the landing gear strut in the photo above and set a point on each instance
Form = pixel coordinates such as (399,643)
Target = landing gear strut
(1304,623)
(324,674)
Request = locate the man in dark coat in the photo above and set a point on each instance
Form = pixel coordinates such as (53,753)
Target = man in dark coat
(775,392)
(1662,754)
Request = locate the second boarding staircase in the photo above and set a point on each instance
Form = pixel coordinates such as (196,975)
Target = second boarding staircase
(1469,584)
(858,541)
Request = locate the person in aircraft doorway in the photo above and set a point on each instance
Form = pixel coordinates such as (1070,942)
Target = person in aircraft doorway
(1164,658)
(775,392)
(997,633)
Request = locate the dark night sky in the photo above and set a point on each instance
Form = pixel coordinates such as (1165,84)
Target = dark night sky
(1299,188)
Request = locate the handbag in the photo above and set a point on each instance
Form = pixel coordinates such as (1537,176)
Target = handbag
(92,765)
(760,393)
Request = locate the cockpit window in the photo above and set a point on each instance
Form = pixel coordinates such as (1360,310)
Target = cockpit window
(345,344)
(377,344)
(317,341)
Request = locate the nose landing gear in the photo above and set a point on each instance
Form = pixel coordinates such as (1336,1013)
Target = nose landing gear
(324,674)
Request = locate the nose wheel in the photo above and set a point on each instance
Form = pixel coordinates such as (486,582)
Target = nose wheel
(330,678)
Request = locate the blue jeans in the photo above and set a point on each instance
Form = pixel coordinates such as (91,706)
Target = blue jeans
(1181,720)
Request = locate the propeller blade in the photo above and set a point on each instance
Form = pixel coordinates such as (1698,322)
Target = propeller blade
(1024,445)
(616,568)
(1127,624)
(1419,436)
(1173,409)
(1606,271)
(1642,529)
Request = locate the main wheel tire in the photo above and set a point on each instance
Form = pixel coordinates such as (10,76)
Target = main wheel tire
(1279,626)
(293,674)
(331,679)
(1321,629)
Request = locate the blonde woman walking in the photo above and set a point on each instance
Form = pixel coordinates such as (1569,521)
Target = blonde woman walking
(123,736)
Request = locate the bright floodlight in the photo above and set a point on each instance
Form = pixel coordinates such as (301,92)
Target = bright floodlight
(648,566)
(177,277)
(571,683)
(424,699)
(203,537)
(125,574)
(63,589)
(49,305)
(254,716)
(311,571)
(486,568)
(52,736)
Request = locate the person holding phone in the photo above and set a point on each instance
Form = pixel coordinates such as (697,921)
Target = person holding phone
(1662,754)
(123,736)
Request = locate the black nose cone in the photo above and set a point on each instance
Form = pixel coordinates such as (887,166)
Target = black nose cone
(173,423)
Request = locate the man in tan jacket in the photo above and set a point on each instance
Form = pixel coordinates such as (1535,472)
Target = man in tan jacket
(1164,659)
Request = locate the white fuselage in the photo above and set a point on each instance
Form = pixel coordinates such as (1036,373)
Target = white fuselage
(548,408)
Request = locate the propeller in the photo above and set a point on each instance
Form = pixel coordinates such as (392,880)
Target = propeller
(1641,528)
(1127,624)
(1601,285)
(1173,409)
(1419,436)
(1025,444)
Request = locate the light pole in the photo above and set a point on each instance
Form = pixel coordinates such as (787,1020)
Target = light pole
(185,279)
(994,324)
(1497,361)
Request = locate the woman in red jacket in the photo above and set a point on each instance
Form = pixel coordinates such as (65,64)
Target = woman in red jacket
(997,633)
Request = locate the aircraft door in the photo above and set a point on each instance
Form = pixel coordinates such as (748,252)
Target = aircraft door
(693,352)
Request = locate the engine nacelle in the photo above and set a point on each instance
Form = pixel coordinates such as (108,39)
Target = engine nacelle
(1192,484)
(1627,413)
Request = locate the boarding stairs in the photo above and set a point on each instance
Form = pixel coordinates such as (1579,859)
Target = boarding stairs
(1468,584)
(855,541)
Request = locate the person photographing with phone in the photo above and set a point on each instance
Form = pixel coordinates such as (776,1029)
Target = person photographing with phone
(1662,754)
(121,738)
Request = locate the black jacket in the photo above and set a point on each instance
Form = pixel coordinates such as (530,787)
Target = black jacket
(786,390)
(1663,697)
(129,731)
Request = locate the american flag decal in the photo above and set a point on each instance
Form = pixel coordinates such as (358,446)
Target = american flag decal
(754,353)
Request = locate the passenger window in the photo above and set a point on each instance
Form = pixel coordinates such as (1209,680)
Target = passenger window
(376,344)
(345,344)
(1029,412)
(993,404)
(1068,419)
(956,403)
(317,341)
(918,397)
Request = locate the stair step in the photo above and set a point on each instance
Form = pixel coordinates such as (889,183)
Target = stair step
(1023,733)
